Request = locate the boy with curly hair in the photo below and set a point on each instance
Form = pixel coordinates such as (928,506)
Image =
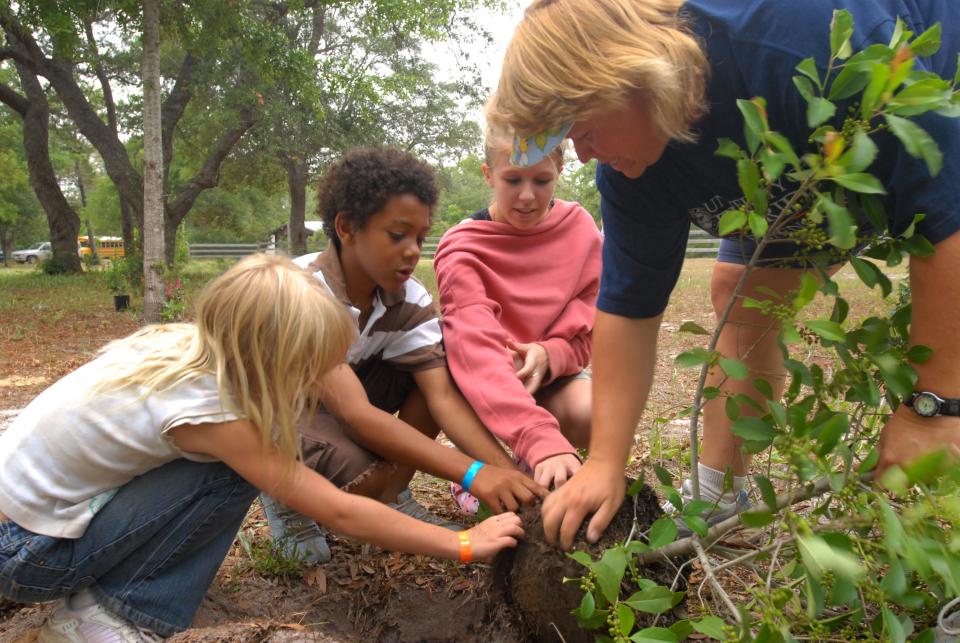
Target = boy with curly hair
(377,205)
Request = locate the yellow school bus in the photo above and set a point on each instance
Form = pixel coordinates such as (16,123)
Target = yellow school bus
(107,247)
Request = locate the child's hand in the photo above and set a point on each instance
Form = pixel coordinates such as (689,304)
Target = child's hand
(505,489)
(534,364)
(495,533)
(555,470)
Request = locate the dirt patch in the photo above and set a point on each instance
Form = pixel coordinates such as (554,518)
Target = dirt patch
(531,577)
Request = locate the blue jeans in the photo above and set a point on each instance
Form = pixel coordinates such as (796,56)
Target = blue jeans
(148,555)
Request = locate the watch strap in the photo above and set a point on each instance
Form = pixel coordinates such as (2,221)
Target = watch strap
(950,407)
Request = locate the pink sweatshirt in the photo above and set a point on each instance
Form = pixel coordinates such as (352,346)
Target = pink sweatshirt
(537,285)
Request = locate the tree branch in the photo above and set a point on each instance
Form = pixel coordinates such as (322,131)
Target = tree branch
(102,77)
(686,545)
(13,100)
(13,54)
(209,174)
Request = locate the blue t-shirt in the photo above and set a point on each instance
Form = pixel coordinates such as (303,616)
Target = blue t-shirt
(753,48)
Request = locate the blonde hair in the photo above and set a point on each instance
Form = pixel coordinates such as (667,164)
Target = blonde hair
(266,329)
(498,139)
(571,59)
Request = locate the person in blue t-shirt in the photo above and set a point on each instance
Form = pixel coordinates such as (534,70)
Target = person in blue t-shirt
(647,87)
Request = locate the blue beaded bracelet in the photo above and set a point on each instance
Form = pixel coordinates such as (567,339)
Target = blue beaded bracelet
(471,474)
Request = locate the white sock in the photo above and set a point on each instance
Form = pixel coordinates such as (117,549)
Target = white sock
(711,485)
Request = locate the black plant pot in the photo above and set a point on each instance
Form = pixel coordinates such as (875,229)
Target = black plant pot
(121,302)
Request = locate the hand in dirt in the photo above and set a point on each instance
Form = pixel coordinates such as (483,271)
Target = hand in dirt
(596,488)
(555,470)
(505,489)
(907,436)
(532,364)
(495,533)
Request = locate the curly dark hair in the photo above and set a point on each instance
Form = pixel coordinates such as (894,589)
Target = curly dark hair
(360,184)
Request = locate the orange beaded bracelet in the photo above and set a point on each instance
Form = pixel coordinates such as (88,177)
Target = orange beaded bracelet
(466,553)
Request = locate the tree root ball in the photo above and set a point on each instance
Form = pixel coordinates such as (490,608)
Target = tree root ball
(531,576)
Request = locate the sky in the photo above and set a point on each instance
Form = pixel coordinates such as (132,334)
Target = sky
(500,26)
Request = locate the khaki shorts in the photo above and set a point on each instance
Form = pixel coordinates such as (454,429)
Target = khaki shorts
(327,446)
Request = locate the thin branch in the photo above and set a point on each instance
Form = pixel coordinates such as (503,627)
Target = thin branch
(819,487)
(721,322)
(717,587)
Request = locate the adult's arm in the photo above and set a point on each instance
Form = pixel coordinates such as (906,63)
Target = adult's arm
(624,354)
(935,323)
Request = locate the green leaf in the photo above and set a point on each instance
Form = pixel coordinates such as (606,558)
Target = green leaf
(818,557)
(922,96)
(693,328)
(754,429)
(808,67)
(851,80)
(917,142)
(609,570)
(919,353)
(766,492)
(829,432)
(866,271)
(826,329)
(754,125)
(927,43)
(841,28)
(758,224)
(893,627)
(587,606)
(654,600)
(879,75)
(763,386)
(860,182)
(682,629)
(731,221)
(806,292)
(782,145)
(861,154)
(748,176)
(654,635)
(805,86)
(627,618)
(778,413)
(819,110)
(731,408)
(734,368)
(696,524)
(664,476)
(712,626)
(843,232)
(581,557)
(729,149)
(694,357)
(635,487)
(662,532)
(757,518)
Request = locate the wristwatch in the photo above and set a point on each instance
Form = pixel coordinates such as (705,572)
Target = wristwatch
(927,404)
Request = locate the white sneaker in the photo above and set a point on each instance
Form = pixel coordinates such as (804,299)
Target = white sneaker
(92,624)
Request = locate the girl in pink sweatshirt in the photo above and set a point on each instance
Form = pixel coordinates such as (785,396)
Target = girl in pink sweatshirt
(518,284)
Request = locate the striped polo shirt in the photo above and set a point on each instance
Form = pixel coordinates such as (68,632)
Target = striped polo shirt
(403,329)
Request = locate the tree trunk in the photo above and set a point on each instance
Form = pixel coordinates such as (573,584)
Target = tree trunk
(63,221)
(297,174)
(153,224)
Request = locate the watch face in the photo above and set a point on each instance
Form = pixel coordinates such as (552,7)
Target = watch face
(926,405)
